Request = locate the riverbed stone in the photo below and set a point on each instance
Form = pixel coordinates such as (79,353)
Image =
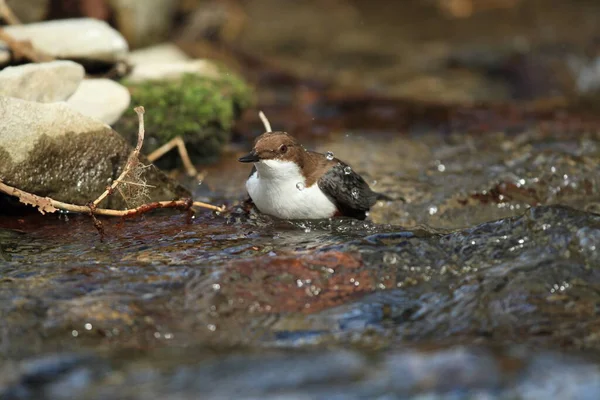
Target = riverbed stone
(102,99)
(84,39)
(42,82)
(165,52)
(52,150)
(157,71)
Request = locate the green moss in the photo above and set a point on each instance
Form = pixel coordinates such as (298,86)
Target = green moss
(201,110)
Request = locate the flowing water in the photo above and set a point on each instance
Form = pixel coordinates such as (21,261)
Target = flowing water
(481,279)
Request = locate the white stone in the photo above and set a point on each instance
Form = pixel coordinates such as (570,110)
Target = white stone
(172,70)
(102,99)
(23,122)
(44,82)
(77,38)
(161,53)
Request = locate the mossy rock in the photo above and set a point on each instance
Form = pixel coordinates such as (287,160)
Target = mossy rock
(200,109)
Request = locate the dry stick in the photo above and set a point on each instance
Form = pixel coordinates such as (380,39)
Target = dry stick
(47,204)
(23,48)
(180,144)
(10,190)
(265,121)
(133,157)
(7,14)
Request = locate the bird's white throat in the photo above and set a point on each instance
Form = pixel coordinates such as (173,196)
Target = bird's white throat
(278,188)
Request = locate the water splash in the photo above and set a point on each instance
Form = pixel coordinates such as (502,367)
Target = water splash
(329,155)
(347,170)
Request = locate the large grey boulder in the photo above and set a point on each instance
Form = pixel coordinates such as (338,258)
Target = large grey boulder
(44,82)
(82,39)
(52,150)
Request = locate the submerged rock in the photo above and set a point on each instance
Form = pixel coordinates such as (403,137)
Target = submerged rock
(52,150)
(42,82)
(199,108)
(102,99)
(84,39)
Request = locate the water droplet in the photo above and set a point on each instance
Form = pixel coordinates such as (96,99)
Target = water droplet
(74,333)
(347,170)
(216,286)
(390,258)
(88,326)
(441,167)
(300,186)
(433,210)
(355,193)
(329,155)
(211,327)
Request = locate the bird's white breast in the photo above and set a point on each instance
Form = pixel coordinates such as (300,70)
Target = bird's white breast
(278,188)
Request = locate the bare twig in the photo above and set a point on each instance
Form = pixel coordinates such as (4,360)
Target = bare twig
(7,14)
(171,144)
(23,48)
(132,160)
(265,121)
(51,205)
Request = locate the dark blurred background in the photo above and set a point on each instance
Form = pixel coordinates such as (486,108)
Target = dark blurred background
(442,50)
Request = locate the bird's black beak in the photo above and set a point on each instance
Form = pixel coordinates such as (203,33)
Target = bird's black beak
(250,157)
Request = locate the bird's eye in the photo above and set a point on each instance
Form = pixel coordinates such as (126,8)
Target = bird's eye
(282,148)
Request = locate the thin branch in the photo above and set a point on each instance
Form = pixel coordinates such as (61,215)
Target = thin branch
(7,14)
(51,205)
(185,158)
(23,48)
(132,160)
(265,121)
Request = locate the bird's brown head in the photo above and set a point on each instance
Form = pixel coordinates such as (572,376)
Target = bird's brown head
(275,146)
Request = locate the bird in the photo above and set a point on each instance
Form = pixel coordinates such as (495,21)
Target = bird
(289,182)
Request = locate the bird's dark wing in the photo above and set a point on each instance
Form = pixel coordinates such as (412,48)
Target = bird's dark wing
(252,171)
(348,191)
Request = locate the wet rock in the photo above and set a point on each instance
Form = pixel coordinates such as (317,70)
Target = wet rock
(160,53)
(102,99)
(52,150)
(85,39)
(199,108)
(295,284)
(144,23)
(44,82)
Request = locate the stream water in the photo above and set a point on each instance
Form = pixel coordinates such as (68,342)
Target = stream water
(481,283)
(479,280)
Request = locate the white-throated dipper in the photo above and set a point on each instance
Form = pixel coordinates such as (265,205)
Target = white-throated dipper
(290,182)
